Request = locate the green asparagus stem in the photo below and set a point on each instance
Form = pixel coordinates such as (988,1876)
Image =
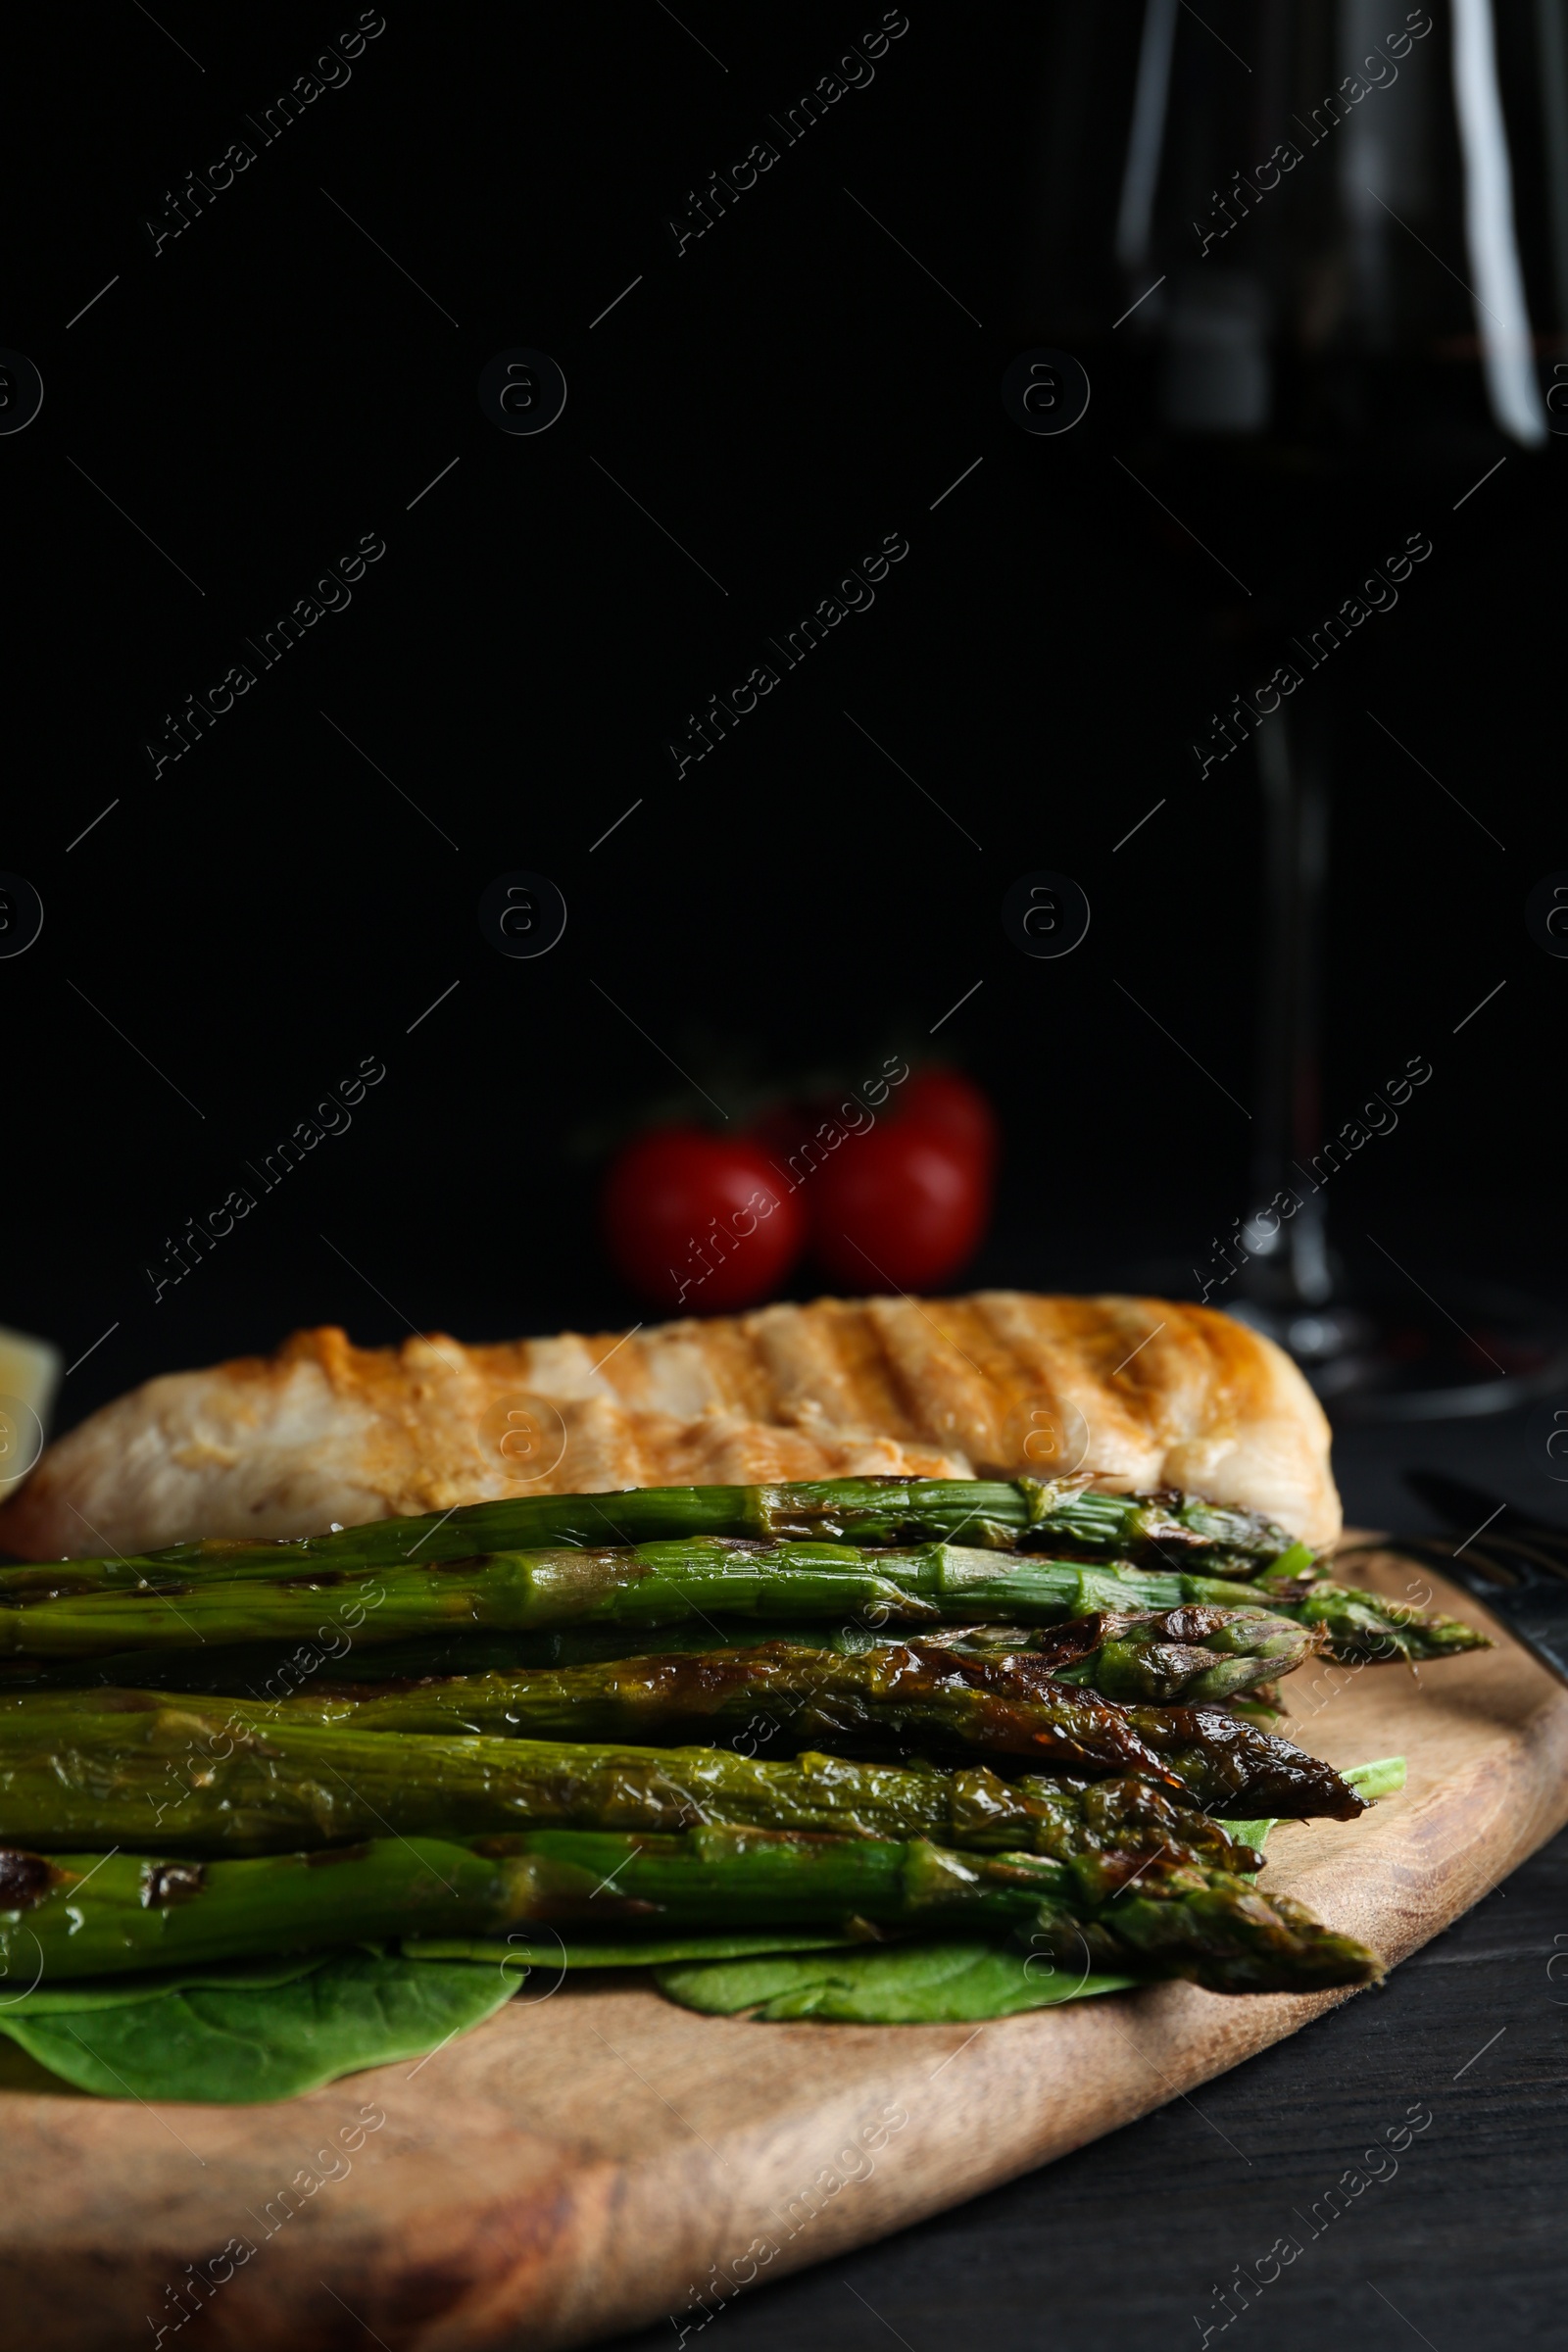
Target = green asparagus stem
(1362,1628)
(1169,1657)
(1181,1922)
(997,1514)
(1161,1655)
(919,1691)
(242,1781)
(897,1695)
(656,1585)
(148,1912)
(144,1912)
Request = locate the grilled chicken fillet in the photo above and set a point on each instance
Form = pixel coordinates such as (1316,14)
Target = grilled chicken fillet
(1142,1392)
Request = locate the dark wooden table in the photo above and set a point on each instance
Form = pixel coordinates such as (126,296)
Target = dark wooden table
(1122,2247)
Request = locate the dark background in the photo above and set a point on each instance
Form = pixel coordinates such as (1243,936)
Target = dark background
(791,389)
(231,939)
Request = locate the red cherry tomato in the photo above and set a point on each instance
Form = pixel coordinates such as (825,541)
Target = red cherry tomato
(902,1208)
(701,1221)
(950,1104)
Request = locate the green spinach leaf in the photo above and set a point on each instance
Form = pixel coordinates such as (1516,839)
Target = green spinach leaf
(113,1992)
(909,1984)
(233,2043)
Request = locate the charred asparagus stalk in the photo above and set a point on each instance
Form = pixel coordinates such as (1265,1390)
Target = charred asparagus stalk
(1363,1627)
(88,1914)
(701,1577)
(1174,1921)
(1163,1655)
(899,1695)
(908,1694)
(1170,1655)
(917,1690)
(1056,1515)
(222,1781)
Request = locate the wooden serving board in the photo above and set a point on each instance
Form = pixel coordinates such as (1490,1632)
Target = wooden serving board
(591,2161)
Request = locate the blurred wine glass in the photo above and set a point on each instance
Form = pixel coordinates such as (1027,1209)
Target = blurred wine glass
(1293,239)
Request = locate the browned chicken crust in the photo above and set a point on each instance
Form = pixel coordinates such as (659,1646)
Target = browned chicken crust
(1141,1392)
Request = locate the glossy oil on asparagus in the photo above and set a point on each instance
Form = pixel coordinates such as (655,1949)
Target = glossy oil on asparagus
(59,1750)
(918,1694)
(693,1579)
(1163,1655)
(1194,1653)
(226,1780)
(1160,1919)
(1059,1515)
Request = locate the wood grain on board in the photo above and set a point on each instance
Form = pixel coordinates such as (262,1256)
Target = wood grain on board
(588,2162)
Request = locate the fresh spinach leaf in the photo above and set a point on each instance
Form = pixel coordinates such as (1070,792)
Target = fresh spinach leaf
(233,2043)
(113,1992)
(1382,1777)
(914,1984)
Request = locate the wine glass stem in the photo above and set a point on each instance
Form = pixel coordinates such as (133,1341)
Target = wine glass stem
(1293,753)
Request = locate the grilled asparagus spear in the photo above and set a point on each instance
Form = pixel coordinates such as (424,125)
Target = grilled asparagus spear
(912,1694)
(897,1695)
(922,1691)
(89,1914)
(994,1514)
(232,1780)
(1163,1655)
(701,1577)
